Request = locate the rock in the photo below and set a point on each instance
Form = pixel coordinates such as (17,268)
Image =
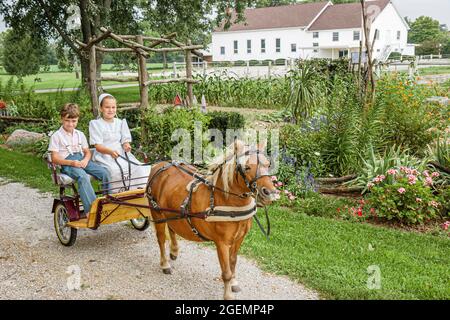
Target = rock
(23,137)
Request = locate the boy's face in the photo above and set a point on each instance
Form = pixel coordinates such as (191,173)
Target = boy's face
(69,124)
(108,108)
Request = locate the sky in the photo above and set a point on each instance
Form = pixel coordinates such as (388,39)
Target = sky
(437,9)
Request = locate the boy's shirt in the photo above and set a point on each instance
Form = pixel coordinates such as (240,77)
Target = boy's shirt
(65,143)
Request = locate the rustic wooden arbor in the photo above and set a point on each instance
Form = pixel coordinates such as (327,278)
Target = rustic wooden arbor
(138,45)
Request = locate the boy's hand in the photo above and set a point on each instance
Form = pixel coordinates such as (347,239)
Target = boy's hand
(84,163)
(76,164)
(127,147)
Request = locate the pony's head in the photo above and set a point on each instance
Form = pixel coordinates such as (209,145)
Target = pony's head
(246,167)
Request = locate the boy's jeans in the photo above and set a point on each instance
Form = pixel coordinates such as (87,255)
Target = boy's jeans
(85,189)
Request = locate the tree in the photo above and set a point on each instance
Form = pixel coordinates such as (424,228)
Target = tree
(2,39)
(425,29)
(23,54)
(50,19)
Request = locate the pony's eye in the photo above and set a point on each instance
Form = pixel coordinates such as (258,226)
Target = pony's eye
(247,168)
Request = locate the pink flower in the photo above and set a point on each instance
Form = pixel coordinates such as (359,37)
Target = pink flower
(376,180)
(279,184)
(434,204)
(291,197)
(401,190)
(418,200)
(274,178)
(382,177)
(412,179)
(372,210)
(426,173)
(392,172)
(370,185)
(435,174)
(428,181)
(415,172)
(286,192)
(446,225)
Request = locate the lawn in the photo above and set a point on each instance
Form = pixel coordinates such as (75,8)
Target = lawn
(55,79)
(327,255)
(434,70)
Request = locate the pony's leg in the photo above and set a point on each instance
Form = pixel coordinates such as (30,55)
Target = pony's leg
(233,260)
(223,251)
(173,245)
(161,235)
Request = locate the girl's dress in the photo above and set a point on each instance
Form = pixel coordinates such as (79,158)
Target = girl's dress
(113,135)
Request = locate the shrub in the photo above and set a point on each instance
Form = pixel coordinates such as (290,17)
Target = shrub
(254,63)
(225,120)
(157,129)
(405,195)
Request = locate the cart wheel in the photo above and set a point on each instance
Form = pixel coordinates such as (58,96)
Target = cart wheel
(66,235)
(140,224)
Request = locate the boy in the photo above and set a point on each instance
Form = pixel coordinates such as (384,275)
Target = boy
(69,148)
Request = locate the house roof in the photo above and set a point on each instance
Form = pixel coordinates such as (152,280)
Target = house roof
(294,15)
(346,16)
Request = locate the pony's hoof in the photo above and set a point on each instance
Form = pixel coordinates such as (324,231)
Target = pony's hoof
(228,297)
(235,288)
(173,257)
(167,271)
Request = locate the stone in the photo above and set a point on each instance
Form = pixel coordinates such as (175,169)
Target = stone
(23,137)
(440,100)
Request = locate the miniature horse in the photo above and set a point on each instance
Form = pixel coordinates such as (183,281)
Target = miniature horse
(234,181)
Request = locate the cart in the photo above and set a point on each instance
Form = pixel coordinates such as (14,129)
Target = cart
(69,215)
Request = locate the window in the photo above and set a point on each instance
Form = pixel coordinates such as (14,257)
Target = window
(335,36)
(235,44)
(263,45)
(249,46)
(343,53)
(293,47)
(315,44)
(356,35)
(222,50)
(315,35)
(278,45)
(399,33)
(377,34)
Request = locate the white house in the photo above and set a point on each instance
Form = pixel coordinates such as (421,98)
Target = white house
(312,30)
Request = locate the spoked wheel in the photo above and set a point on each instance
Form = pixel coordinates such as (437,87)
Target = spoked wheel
(140,224)
(66,235)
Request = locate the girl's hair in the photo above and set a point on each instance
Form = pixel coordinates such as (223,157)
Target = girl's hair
(71,110)
(105,96)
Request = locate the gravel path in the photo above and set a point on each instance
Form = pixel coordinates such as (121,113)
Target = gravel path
(114,262)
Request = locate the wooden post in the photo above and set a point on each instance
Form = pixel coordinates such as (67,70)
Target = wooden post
(93,81)
(269,69)
(143,76)
(190,93)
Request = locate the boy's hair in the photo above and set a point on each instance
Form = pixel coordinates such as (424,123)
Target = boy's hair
(71,110)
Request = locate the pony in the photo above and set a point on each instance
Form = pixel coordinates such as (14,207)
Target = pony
(217,207)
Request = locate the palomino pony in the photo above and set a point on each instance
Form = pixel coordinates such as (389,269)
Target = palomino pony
(217,208)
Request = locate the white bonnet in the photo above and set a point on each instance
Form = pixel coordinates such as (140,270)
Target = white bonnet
(103,96)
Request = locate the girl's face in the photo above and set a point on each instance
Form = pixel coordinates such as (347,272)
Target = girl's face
(108,108)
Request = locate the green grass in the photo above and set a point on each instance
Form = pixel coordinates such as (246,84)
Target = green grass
(26,168)
(434,70)
(333,257)
(55,79)
(326,255)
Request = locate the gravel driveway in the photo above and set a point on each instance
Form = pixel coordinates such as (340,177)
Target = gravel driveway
(114,262)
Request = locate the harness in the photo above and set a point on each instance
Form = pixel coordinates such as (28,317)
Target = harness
(185,211)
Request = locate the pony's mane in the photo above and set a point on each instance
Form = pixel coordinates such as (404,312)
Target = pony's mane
(227,162)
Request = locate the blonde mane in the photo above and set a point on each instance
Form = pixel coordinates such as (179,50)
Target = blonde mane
(227,164)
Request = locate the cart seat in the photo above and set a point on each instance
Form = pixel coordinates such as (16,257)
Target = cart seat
(64,180)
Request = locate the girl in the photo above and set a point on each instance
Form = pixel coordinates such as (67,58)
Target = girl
(111,138)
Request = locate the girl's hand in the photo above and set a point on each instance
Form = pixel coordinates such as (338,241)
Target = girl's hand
(114,154)
(127,147)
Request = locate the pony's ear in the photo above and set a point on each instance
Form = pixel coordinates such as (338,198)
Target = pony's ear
(262,145)
(238,146)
